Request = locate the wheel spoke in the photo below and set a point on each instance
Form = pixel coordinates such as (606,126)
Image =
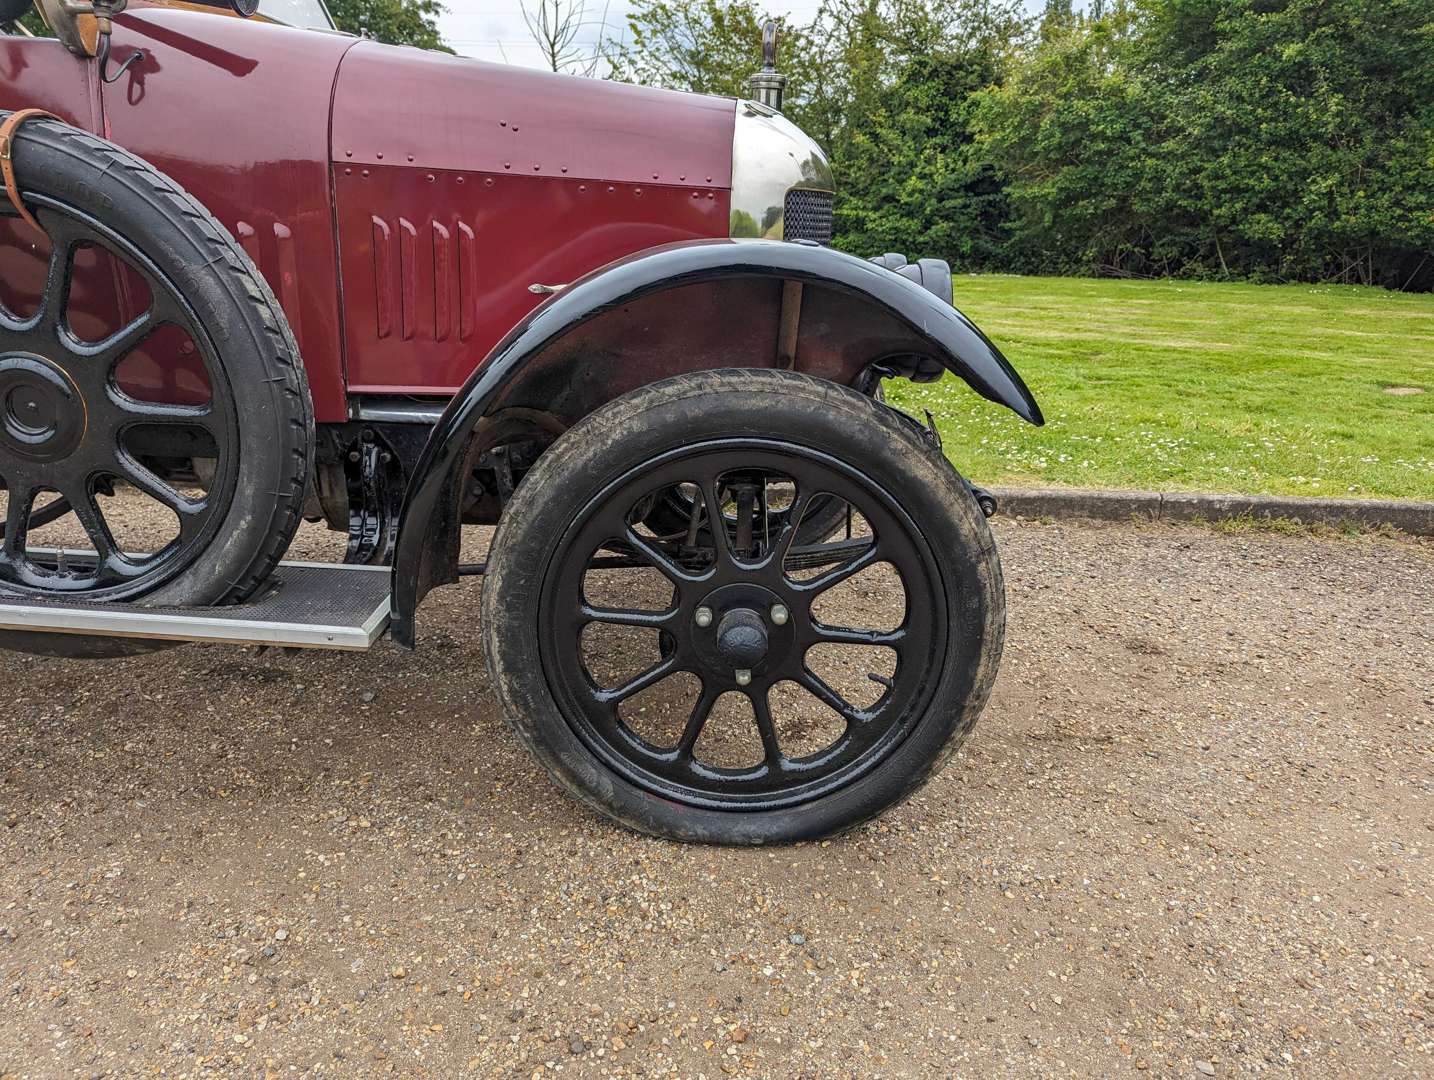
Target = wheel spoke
(82,501)
(64,240)
(659,559)
(701,710)
(115,347)
(17,520)
(52,511)
(841,573)
(655,620)
(651,677)
(824,693)
(766,728)
(717,522)
(149,412)
(189,511)
(782,546)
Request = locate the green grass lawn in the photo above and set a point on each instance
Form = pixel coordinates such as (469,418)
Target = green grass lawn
(1191,386)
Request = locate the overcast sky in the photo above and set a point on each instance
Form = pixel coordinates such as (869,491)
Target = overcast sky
(494,29)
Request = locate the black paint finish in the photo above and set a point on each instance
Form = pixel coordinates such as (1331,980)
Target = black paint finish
(427,552)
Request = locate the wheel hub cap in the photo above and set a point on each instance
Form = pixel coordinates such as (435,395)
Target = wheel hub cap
(42,415)
(741,637)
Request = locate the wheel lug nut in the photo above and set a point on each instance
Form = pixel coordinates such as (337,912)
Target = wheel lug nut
(744,676)
(780,614)
(703,616)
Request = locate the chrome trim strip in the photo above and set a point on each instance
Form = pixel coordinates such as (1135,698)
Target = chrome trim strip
(346,567)
(398,412)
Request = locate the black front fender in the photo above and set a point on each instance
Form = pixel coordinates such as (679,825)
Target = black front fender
(721,305)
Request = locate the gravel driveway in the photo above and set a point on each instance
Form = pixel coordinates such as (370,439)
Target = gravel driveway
(1192,836)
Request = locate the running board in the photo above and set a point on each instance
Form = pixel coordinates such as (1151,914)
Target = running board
(301,605)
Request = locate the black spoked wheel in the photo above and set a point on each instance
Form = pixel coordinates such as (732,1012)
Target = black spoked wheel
(742,684)
(155,427)
(742,618)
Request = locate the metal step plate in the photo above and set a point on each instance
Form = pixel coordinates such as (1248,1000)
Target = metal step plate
(304,605)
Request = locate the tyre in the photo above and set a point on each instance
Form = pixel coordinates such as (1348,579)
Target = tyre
(151,359)
(752,688)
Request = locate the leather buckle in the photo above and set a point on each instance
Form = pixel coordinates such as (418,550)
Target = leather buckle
(7,159)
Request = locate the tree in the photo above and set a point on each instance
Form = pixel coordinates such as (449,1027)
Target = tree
(393,22)
(556,25)
(703,46)
(1069,134)
(1271,139)
(1298,135)
(915,187)
(889,101)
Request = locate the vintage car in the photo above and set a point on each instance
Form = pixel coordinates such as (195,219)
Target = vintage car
(254,271)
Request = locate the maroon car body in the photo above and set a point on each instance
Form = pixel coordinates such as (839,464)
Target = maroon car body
(398,202)
(412,212)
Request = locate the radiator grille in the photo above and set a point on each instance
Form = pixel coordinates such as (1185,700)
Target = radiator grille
(807,215)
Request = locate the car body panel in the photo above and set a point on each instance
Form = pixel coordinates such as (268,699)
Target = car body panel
(437,264)
(38,73)
(430,110)
(458,184)
(237,112)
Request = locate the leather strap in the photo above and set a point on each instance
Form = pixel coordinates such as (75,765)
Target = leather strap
(7,160)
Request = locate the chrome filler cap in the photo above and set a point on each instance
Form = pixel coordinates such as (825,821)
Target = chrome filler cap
(769,84)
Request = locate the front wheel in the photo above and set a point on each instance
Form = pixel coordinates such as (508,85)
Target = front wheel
(753,687)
